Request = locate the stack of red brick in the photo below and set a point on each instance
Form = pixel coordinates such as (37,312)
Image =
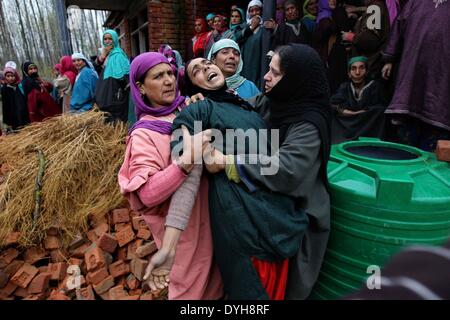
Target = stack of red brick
(108,263)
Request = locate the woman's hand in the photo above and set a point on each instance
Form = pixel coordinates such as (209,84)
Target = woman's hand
(256,20)
(194,99)
(105,52)
(214,160)
(270,24)
(158,269)
(160,264)
(193,148)
(386,71)
(349,113)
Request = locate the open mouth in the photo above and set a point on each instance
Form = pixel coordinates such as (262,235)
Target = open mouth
(211,76)
(230,65)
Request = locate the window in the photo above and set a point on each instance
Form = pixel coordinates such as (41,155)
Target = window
(139,33)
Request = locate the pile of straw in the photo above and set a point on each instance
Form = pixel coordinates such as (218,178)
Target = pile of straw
(82,159)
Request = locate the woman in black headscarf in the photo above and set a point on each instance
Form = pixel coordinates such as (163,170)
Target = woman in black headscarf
(37,92)
(256,230)
(296,101)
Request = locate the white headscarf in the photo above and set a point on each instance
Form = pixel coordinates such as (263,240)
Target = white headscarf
(11,64)
(79,55)
(253,3)
(236,80)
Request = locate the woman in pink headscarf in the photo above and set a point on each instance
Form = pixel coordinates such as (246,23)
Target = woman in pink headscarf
(65,81)
(149,178)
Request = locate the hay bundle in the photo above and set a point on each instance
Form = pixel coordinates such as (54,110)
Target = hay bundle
(82,159)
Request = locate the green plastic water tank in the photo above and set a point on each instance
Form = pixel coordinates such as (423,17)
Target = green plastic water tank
(384,196)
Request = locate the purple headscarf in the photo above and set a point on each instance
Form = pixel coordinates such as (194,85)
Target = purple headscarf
(324,10)
(139,67)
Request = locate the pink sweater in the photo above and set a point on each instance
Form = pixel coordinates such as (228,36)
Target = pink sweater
(148,178)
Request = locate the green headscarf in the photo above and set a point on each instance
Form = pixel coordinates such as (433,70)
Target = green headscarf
(306,14)
(118,65)
(357,59)
(241,12)
(236,79)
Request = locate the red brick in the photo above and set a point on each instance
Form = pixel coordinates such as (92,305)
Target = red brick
(122,280)
(75,262)
(57,270)
(132,282)
(40,296)
(146,249)
(94,258)
(144,234)
(105,296)
(24,275)
(39,283)
(8,289)
(35,254)
(5,168)
(120,216)
(104,285)
(146,296)
(7,256)
(52,243)
(136,297)
(98,276)
(97,220)
(107,242)
(85,293)
(80,251)
(43,269)
(57,256)
(58,295)
(132,247)
(138,267)
(76,242)
(119,268)
(21,293)
(135,292)
(92,236)
(139,222)
(108,258)
(101,229)
(120,226)
(443,150)
(117,292)
(3,279)
(134,214)
(122,253)
(12,238)
(53,231)
(125,236)
(13,267)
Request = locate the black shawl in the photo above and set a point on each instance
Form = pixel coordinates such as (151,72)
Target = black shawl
(28,83)
(302,95)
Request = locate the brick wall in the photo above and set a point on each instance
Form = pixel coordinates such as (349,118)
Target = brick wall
(172,22)
(125,40)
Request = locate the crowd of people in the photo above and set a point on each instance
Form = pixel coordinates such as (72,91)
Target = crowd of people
(337,70)
(79,83)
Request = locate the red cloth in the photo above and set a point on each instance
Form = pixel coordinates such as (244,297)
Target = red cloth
(68,69)
(41,104)
(273,277)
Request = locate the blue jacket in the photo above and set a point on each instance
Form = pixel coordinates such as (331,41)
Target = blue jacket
(83,93)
